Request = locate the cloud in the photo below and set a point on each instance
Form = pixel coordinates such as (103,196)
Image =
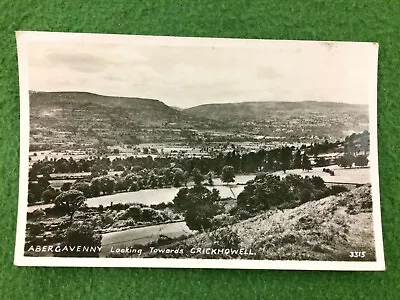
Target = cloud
(82,62)
(187,75)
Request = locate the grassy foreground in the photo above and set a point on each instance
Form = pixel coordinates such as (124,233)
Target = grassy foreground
(327,229)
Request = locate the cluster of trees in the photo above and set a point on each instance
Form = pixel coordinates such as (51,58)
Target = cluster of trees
(199,205)
(148,172)
(357,143)
(267,191)
(41,191)
(282,158)
(347,161)
(276,159)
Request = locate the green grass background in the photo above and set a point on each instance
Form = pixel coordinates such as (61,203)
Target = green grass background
(344,20)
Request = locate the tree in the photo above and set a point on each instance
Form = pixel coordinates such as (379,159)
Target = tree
(107,184)
(285,158)
(199,206)
(82,186)
(35,192)
(265,192)
(365,141)
(268,191)
(49,195)
(152,180)
(134,187)
(185,177)
(297,160)
(120,185)
(179,177)
(44,181)
(70,201)
(66,186)
(228,174)
(345,161)
(210,178)
(361,161)
(81,235)
(95,188)
(349,148)
(320,162)
(305,163)
(180,201)
(197,176)
(32,174)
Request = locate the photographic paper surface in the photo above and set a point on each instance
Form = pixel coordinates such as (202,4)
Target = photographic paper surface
(178,152)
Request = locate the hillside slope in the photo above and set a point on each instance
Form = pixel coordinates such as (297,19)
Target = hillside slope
(327,229)
(259,111)
(87,106)
(290,118)
(62,117)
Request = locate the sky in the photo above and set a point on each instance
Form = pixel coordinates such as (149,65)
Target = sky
(190,72)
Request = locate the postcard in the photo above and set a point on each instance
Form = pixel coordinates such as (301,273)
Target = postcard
(181,152)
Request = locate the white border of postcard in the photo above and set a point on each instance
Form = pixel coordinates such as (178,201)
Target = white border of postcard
(24,38)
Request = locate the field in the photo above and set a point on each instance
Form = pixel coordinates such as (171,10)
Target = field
(156,196)
(354,175)
(142,236)
(147,197)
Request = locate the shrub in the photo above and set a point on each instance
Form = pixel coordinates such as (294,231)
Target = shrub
(336,189)
(107,220)
(243,214)
(361,161)
(268,191)
(225,237)
(119,206)
(160,206)
(134,212)
(35,229)
(134,187)
(80,234)
(222,220)
(36,214)
(69,202)
(49,195)
(149,215)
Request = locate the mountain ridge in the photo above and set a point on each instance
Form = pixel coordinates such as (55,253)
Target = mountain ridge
(275,102)
(89,118)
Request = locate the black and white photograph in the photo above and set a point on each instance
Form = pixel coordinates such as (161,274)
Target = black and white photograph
(184,152)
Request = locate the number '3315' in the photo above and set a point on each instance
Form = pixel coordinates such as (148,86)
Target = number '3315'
(357,254)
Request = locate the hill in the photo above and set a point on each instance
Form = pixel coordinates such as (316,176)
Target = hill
(61,104)
(65,119)
(327,229)
(261,111)
(86,118)
(300,118)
